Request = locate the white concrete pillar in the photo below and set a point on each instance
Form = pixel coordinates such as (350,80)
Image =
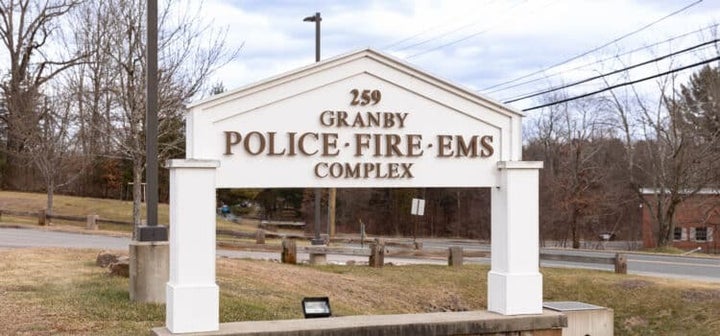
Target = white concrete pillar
(192,294)
(514,280)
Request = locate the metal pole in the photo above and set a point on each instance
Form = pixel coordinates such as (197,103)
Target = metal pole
(332,191)
(317,36)
(316,18)
(152,232)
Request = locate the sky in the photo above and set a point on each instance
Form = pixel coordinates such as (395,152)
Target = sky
(476,44)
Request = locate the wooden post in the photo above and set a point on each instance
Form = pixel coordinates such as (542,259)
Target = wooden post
(620,263)
(91,223)
(332,196)
(455,256)
(289,252)
(260,237)
(377,254)
(42,218)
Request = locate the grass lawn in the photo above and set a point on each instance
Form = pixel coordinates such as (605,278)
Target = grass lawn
(110,209)
(61,292)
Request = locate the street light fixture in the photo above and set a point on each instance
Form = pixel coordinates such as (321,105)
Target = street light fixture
(316,18)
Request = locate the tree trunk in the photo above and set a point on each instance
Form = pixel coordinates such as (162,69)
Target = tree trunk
(50,195)
(137,195)
(573,229)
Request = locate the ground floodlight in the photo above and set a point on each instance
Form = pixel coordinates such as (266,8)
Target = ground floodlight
(316,307)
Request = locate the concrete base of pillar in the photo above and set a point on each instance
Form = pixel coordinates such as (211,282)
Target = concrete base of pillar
(318,259)
(149,271)
(515,293)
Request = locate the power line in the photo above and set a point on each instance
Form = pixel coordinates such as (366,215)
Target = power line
(458,40)
(423,32)
(538,93)
(713,26)
(597,48)
(623,84)
(451,31)
(462,39)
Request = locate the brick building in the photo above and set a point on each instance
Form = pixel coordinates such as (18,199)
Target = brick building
(696,222)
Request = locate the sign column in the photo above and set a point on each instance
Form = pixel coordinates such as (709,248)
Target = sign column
(514,280)
(192,294)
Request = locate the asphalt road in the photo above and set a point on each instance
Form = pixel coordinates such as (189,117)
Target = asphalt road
(26,238)
(683,267)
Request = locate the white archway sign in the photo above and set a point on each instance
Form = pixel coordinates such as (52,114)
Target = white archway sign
(363,119)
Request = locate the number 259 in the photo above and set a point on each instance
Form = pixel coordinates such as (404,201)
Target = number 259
(365,97)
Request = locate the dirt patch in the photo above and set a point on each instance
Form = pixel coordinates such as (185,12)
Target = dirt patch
(700,295)
(452,303)
(635,322)
(634,284)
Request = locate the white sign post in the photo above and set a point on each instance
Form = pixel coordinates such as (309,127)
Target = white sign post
(360,120)
(418,207)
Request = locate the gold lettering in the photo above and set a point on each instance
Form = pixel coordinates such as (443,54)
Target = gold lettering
(487,148)
(362,140)
(271,145)
(260,143)
(389,121)
(378,144)
(329,143)
(393,170)
(352,171)
(358,121)
(326,118)
(336,170)
(291,142)
(406,170)
(401,119)
(317,170)
(342,119)
(378,170)
(414,142)
(466,149)
(231,138)
(391,147)
(373,119)
(444,143)
(367,168)
(301,143)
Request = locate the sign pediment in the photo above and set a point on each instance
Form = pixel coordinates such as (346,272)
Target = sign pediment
(363,119)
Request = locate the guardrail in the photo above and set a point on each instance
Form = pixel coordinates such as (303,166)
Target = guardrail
(43,217)
(455,255)
(376,250)
(619,260)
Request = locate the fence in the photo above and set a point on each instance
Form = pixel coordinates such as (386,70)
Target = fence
(375,252)
(43,217)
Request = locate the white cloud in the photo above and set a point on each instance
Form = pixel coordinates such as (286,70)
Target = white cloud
(503,39)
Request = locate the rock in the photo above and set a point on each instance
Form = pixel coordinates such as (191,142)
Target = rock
(120,268)
(105,258)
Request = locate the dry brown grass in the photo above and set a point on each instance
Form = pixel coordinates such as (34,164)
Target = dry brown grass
(82,206)
(51,292)
(61,292)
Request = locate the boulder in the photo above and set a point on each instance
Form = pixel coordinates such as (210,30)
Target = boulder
(120,268)
(105,259)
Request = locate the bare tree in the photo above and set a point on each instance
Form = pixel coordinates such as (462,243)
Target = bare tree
(52,151)
(27,29)
(664,152)
(112,84)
